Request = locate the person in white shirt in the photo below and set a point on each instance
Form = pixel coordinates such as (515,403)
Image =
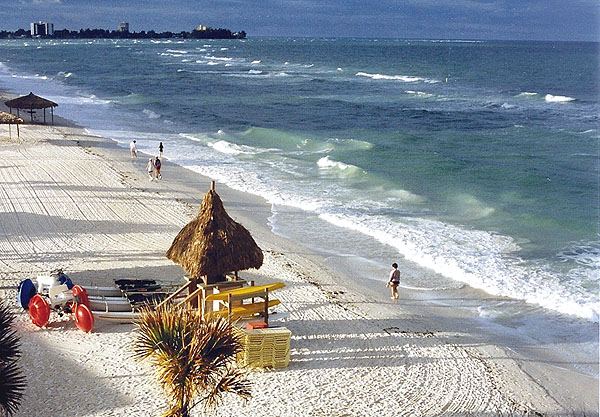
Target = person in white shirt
(150,168)
(133,149)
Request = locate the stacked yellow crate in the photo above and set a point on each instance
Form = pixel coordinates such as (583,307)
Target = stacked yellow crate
(268,347)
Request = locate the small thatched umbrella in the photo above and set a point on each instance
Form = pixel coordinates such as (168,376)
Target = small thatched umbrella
(30,102)
(10,119)
(213,243)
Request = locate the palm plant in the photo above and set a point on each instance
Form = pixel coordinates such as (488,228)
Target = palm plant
(12,381)
(193,357)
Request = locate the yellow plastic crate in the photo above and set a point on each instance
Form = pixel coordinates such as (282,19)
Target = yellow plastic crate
(268,347)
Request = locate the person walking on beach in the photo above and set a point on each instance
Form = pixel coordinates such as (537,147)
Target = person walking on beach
(394,281)
(157,166)
(160,149)
(150,168)
(133,149)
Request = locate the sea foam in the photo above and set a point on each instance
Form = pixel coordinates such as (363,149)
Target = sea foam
(339,168)
(226,147)
(151,114)
(558,99)
(403,78)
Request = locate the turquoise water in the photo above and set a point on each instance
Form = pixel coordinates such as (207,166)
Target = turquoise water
(473,162)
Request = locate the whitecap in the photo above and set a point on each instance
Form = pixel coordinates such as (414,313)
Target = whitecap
(256,61)
(406,196)
(226,147)
(526,94)
(558,99)
(420,94)
(218,58)
(402,78)
(341,168)
(470,207)
(151,114)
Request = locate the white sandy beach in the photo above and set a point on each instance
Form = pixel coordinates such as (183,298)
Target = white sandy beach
(81,203)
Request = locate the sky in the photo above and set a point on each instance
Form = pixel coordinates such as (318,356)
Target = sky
(562,20)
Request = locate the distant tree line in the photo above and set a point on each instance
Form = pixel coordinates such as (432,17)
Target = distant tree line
(114,34)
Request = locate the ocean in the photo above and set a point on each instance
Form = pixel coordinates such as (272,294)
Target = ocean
(470,163)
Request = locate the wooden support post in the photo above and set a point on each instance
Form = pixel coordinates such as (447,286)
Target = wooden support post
(191,288)
(52,111)
(44,115)
(267,306)
(229,306)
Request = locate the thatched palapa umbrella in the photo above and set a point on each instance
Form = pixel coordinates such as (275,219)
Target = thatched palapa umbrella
(213,243)
(10,119)
(31,102)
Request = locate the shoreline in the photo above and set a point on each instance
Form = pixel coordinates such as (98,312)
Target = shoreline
(336,324)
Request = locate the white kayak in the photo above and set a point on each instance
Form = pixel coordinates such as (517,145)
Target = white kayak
(103,291)
(117,316)
(101,303)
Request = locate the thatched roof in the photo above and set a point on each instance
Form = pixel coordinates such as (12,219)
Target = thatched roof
(213,243)
(7,118)
(30,101)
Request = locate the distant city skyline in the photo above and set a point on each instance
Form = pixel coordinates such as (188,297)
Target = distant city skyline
(458,19)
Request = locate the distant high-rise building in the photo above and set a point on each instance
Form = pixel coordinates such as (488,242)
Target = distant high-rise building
(42,29)
(123,27)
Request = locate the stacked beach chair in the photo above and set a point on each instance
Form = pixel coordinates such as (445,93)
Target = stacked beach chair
(268,347)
